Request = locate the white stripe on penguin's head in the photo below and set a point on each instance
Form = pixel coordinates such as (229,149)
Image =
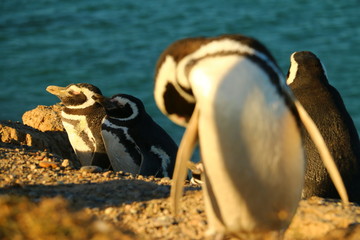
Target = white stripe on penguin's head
(122,101)
(221,46)
(293,69)
(75,90)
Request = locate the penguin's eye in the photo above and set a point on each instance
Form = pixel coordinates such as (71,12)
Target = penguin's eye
(115,103)
(121,105)
(72,92)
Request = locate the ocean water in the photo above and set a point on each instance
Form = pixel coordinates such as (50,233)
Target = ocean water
(115,44)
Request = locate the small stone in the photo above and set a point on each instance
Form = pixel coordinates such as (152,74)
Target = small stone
(91,169)
(166,178)
(163,221)
(39,158)
(108,173)
(102,226)
(108,210)
(32,167)
(44,154)
(65,163)
(46,164)
(133,211)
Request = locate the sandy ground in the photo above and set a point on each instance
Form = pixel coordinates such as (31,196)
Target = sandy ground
(43,197)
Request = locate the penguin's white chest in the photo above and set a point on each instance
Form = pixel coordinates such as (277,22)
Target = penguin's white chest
(80,136)
(250,146)
(118,152)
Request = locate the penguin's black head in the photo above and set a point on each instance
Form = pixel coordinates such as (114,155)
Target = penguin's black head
(121,106)
(75,95)
(305,68)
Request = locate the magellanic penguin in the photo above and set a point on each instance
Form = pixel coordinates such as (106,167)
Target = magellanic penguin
(308,81)
(81,118)
(134,142)
(231,95)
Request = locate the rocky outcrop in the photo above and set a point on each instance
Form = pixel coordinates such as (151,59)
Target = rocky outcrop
(44,118)
(55,142)
(42,130)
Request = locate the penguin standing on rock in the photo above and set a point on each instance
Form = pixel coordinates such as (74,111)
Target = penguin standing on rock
(232,97)
(308,81)
(133,141)
(81,118)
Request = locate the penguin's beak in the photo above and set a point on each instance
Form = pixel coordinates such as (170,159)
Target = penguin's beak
(104,101)
(57,91)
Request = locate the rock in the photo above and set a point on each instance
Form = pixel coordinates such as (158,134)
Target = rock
(46,164)
(55,142)
(66,163)
(350,233)
(91,169)
(163,221)
(44,118)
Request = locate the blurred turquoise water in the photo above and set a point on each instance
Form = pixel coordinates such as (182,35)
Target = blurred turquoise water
(115,44)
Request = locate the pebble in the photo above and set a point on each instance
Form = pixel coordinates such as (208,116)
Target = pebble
(39,158)
(102,226)
(133,211)
(108,173)
(91,169)
(46,164)
(108,210)
(163,221)
(65,163)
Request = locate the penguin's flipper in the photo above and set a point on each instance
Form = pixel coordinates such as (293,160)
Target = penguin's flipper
(185,151)
(324,152)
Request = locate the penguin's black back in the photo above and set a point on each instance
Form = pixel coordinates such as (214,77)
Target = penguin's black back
(326,107)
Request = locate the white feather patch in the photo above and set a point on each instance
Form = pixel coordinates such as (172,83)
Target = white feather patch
(165,159)
(223,45)
(241,126)
(124,129)
(89,100)
(166,72)
(165,75)
(134,108)
(120,159)
(77,142)
(293,70)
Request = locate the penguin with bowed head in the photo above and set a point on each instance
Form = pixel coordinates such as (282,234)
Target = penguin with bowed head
(308,81)
(230,94)
(81,118)
(134,142)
